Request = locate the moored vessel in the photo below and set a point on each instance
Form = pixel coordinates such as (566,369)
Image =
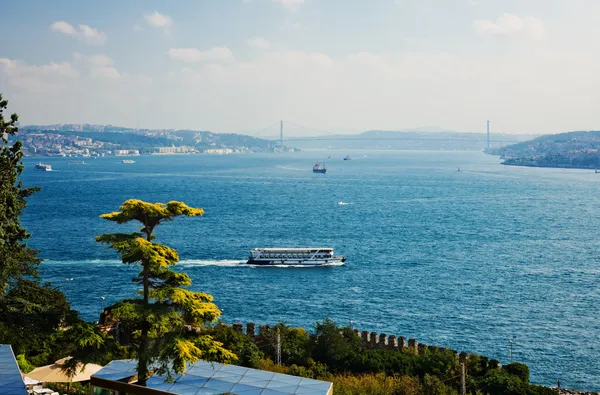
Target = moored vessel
(127,161)
(294,257)
(43,167)
(347,157)
(319,168)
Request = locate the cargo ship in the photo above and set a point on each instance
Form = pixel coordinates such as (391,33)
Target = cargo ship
(319,168)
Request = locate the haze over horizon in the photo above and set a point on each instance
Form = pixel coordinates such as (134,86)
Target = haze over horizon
(337,66)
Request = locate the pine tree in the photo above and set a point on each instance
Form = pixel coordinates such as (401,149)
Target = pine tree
(16,259)
(157,321)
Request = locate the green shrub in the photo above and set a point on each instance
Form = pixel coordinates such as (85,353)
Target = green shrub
(518,369)
(24,365)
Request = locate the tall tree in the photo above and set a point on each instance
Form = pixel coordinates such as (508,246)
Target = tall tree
(16,259)
(157,321)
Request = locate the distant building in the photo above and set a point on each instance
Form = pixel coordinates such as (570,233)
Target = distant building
(172,150)
(126,152)
(219,151)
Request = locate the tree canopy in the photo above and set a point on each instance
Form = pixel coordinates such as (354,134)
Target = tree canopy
(16,258)
(157,322)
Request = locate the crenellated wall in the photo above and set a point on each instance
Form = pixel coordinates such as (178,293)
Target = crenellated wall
(370,339)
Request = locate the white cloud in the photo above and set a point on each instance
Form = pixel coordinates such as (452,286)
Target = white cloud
(191,55)
(37,79)
(291,5)
(91,35)
(85,33)
(63,27)
(97,66)
(105,72)
(509,25)
(259,43)
(160,21)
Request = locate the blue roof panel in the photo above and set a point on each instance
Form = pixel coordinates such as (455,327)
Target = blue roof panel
(11,381)
(206,378)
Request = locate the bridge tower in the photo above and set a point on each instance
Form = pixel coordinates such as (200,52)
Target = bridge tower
(488,134)
(281,134)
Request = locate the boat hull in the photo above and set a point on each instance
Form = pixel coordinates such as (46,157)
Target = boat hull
(334,261)
(322,171)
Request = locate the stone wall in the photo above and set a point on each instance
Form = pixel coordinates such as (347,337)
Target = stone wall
(370,339)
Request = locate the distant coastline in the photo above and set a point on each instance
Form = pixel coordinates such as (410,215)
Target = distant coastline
(572,150)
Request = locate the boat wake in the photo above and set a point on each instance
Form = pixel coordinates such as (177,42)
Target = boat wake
(212,262)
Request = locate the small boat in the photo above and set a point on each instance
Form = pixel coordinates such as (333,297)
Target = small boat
(127,161)
(43,167)
(347,158)
(77,162)
(458,170)
(596,171)
(342,203)
(294,257)
(319,168)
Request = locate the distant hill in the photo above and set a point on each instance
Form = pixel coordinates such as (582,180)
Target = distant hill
(430,138)
(70,139)
(580,149)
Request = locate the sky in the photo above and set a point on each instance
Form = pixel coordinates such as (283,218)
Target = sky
(331,66)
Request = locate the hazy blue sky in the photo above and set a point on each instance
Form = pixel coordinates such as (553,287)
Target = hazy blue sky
(531,66)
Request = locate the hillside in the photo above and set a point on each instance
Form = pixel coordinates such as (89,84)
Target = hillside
(578,149)
(75,140)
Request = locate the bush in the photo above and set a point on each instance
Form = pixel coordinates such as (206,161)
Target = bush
(434,386)
(24,365)
(241,345)
(378,384)
(335,346)
(501,383)
(518,369)
(295,343)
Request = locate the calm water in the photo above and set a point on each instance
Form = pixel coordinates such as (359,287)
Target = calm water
(458,259)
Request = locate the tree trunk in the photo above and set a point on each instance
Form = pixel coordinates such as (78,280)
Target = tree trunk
(142,357)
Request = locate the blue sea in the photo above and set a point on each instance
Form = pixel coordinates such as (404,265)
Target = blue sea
(467,260)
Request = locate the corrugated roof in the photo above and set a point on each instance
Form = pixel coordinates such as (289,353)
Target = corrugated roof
(206,378)
(11,381)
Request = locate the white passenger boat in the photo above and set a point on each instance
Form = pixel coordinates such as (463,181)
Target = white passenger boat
(43,167)
(295,257)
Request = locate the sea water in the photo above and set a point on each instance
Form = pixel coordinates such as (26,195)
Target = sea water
(465,259)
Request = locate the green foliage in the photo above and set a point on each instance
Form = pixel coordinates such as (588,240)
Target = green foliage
(501,383)
(295,343)
(378,384)
(336,350)
(241,345)
(518,369)
(432,385)
(16,259)
(156,323)
(30,315)
(24,365)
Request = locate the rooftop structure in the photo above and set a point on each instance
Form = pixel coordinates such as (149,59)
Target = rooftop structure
(206,378)
(11,381)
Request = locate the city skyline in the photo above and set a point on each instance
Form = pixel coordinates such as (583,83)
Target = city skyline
(335,66)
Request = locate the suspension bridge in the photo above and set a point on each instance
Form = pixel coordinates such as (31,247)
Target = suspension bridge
(268,133)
